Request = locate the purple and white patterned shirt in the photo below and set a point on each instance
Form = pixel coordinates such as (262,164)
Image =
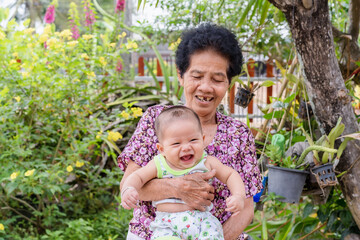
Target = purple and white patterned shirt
(233,145)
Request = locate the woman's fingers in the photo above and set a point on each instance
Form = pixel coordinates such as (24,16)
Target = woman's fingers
(195,190)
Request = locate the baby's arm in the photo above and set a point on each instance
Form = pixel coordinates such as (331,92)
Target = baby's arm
(132,184)
(227,175)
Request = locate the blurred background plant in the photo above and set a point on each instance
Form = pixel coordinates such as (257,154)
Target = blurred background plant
(67,108)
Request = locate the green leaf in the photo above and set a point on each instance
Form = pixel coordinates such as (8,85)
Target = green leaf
(290,98)
(276,114)
(267,83)
(245,13)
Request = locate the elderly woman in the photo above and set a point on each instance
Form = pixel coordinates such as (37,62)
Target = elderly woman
(207,58)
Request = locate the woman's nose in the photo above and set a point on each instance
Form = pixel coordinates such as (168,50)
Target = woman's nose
(205,85)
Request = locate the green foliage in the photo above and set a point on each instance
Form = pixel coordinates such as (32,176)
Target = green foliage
(280,220)
(61,132)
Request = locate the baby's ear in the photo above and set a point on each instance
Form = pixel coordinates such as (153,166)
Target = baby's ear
(203,137)
(160,147)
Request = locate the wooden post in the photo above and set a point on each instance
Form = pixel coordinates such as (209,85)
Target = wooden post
(269,73)
(232,99)
(141,71)
(251,71)
(159,72)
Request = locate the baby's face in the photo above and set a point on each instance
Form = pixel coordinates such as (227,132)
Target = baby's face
(182,143)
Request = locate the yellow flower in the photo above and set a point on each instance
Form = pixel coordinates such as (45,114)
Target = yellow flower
(112,45)
(102,36)
(137,112)
(72,43)
(98,135)
(17,98)
(13,61)
(2,35)
(85,56)
(69,168)
(29,30)
(91,74)
(43,37)
(125,115)
(14,175)
(122,35)
(66,34)
(29,45)
(79,164)
(15,55)
(29,173)
(102,61)
(52,43)
(2,228)
(114,136)
(25,74)
(87,36)
(47,29)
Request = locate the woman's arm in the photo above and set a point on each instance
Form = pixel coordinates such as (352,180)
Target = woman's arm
(235,225)
(193,189)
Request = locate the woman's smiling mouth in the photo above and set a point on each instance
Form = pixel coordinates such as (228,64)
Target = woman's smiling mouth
(204,99)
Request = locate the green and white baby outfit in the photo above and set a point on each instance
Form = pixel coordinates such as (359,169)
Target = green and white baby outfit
(192,224)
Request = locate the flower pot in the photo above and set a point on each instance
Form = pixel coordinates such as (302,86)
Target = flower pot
(243,97)
(325,175)
(286,182)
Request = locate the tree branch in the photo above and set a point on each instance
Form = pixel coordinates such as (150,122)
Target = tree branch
(354,19)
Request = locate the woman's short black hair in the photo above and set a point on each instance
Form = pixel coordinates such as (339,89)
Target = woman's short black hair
(209,36)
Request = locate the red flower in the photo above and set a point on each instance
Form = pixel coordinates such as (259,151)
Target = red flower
(120,6)
(50,14)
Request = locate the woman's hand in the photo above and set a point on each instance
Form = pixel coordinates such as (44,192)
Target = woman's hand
(235,204)
(195,190)
(129,198)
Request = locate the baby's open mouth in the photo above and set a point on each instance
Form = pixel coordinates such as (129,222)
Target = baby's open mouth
(204,99)
(187,157)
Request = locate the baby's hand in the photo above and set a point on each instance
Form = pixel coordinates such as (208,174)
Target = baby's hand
(129,198)
(235,204)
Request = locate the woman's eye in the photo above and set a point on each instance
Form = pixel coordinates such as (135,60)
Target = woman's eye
(196,77)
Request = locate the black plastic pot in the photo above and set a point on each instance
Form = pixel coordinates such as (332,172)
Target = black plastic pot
(243,97)
(286,182)
(324,175)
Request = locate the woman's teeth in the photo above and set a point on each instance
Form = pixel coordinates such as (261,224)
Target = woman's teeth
(204,99)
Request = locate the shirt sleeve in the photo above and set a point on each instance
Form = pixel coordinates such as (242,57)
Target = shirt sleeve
(251,172)
(141,147)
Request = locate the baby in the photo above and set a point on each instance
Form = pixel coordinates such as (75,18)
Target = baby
(181,147)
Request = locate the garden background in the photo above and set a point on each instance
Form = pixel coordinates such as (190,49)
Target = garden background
(69,103)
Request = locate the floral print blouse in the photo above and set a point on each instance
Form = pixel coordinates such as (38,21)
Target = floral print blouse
(233,145)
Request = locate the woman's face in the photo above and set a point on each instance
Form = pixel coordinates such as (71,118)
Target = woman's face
(205,82)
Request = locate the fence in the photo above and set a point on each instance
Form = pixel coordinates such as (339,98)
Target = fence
(259,71)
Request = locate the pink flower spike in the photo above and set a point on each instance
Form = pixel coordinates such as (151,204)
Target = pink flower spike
(89,15)
(50,14)
(120,6)
(119,66)
(75,32)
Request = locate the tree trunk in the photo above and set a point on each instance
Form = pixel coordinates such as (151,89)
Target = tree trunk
(311,31)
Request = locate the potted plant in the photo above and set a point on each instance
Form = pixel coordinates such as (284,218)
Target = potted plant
(323,170)
(283,177)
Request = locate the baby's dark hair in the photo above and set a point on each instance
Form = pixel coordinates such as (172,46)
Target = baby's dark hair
(175,112)
(209,36)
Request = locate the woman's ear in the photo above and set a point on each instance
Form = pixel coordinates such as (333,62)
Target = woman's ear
(181,80)
(160,147)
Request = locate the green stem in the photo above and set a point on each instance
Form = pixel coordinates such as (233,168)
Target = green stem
(317,148)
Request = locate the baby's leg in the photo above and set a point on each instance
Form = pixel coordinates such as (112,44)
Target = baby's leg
(164,226)
(210,227)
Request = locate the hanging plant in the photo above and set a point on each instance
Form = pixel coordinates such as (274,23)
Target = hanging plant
(246,91)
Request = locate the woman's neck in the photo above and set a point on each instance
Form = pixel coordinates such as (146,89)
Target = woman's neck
(208,120)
